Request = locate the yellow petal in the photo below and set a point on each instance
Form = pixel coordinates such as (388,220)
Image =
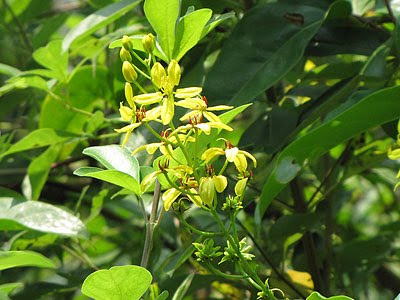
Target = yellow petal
(231,153)
(148,180)
(167,110)
(219,107)
(190,114)
(138,149)
(240,186)
(204,127)
(147,99)
(125,112)
(219,126)
(240,162)
(164,150)
(188,92)
(254,159)
(128,128)
(129,95)
(126,138)
(211,117)
(169,197)
(209,154)
(220,183)
(195,199)
(153,114)
(394,154)
(192,103)
(151,148)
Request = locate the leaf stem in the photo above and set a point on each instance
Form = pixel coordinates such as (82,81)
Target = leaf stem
(150,225)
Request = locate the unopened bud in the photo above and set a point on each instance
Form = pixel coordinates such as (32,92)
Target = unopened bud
(158,74)
(129,95)
(125,55)
(127,43)
(148,42)
(207,190)
(174,72)
(129,72)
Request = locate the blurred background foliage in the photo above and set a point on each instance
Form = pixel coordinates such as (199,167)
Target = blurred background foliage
(320,212)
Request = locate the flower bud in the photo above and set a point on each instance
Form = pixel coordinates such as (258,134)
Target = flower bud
(127,43)
(129,95)
(125,55)
(129,72)
(207,190)
(174,72)
(240,186)
(158,74)
(149,42)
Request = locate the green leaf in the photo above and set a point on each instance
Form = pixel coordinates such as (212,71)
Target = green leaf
(97,20)
(350,122)
(13,259)
(112,176)
(9,287)
(163,296)
(52,58)
(117,283)
(115,157)
(39,169)
(189,30)
(9,70)
(183,288)
(318,296)
(86,89)
(163,15)
(41,217)
(37,139)
(263,48)
(215,21)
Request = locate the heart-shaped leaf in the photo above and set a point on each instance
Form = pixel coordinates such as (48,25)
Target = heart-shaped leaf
(117,283)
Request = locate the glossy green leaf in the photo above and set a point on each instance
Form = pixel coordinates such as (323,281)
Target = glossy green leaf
(112,176)
(13,259)
(163,15)
(115,157)
(189,30)
(52,58)
(346,124)
(97,20)
(318,296)
(262,49)
(37,139)
(41,217)
(183,288)
(117,283)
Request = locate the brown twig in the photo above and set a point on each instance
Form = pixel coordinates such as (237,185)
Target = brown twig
(390,11)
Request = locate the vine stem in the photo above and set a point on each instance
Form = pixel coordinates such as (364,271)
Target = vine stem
(243,262)
(150,225)
(200,232)
(228,276)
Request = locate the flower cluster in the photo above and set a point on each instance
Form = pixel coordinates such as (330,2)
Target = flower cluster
(188,174)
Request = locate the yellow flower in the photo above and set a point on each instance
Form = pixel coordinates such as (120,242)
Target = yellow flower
(232,154)
(170,195)
(199,106)
(165,146)
(141,116)
(210,184)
